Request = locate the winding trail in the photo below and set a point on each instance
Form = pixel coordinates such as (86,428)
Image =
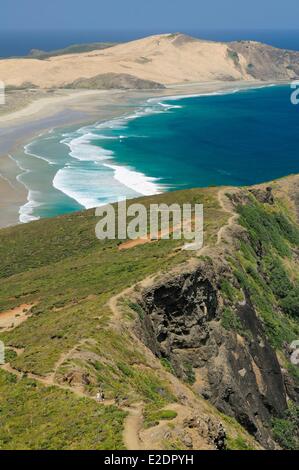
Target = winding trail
(133,422)
(227,207)
(132,425)
(49,380)
(134,419)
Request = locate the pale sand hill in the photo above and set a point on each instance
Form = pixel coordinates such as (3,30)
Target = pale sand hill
(167,59)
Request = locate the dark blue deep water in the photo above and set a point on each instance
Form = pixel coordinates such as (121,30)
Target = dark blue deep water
(237,139)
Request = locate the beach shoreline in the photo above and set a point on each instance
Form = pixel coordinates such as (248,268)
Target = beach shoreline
(78,108)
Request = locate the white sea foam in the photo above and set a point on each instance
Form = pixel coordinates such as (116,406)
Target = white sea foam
(82,148)
(135,180)
(84,186)
(91,187)
(167,106)
(160,100)
(26,210)
(88,187)
(181,97)
(28,151)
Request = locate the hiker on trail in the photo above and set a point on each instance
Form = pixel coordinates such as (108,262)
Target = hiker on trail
(100,396)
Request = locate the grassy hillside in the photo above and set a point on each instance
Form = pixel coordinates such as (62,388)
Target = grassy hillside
(75,339)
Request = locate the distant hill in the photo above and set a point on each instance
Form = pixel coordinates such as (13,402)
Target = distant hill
(73,49)
(122,81)
(165,59)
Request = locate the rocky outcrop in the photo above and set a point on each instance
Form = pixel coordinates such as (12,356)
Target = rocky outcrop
(208,428)
(265,196)
(179,310)
(238,372)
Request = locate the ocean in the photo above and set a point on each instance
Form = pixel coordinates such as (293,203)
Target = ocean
(240,137)
(20,43)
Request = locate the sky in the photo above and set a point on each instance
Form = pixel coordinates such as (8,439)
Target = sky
(148,15)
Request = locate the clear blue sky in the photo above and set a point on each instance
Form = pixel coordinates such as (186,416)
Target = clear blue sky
(148,15)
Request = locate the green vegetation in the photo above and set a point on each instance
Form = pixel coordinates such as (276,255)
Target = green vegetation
(137,308)
(230,321)
(36,417)
(10,355)
(286,429)
(237,438)
(294,371)
(260,270)
(229,291)
(278,279)
(238,443)
(290,302)
(189,371)
(167,364)
(69,275)
(233,55)
(268,229)
(152,417)
(74,49)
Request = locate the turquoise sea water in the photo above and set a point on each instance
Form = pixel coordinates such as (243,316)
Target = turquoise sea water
(238,138)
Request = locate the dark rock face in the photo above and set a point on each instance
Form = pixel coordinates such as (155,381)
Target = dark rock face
(273,393)
(249,384)
(291,387)
(212,430)
(240,375)
(178,316)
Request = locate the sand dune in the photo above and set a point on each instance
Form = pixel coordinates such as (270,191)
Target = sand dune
(166,59)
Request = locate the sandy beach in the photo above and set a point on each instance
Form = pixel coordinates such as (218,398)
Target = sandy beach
(19,127)
(69,107)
